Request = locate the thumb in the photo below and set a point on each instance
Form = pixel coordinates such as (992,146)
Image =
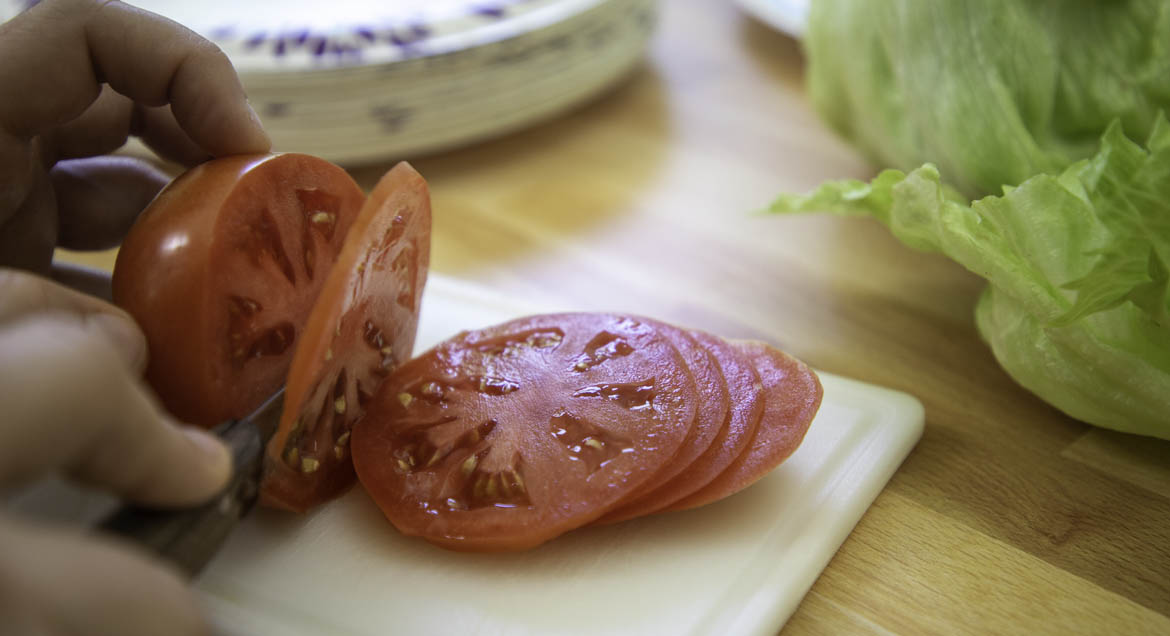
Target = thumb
(74,403)
(26,295)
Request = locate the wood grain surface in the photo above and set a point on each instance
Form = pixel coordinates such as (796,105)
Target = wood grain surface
(1008,517)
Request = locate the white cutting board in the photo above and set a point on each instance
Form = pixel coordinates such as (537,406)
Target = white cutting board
(739,566)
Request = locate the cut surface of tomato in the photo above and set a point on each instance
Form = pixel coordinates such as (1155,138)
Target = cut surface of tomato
(503,438)
(221,271)
(362,327)
(712,411)
(791,396)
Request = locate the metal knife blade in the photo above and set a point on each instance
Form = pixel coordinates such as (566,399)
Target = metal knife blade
(266,417)
(190,537)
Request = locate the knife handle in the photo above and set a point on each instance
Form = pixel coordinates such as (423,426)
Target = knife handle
(190,537)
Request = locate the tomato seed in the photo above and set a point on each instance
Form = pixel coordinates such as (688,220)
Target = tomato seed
(469,464)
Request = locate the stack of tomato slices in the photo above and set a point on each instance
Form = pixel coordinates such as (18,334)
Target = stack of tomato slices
(247,273)
(506,437)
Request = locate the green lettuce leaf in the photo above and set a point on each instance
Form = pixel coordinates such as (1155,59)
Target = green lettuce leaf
(992,92)
(1077,309)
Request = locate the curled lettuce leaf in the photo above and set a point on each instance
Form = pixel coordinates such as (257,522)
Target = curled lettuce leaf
(1077,309)
(992,92)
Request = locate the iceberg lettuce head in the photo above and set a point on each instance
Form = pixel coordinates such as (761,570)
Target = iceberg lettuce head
(1077,309)
(992,92)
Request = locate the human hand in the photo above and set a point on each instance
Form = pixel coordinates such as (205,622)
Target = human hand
(162,83)
(73,403)
(69,363)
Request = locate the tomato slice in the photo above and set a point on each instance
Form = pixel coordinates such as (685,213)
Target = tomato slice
(746,408)
(503,438)
(362,327)
(791,396)
(222,269)
(712,412)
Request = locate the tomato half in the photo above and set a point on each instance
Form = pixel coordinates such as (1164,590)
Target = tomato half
(791,396)
(503,438)
(222,269)
(362,326)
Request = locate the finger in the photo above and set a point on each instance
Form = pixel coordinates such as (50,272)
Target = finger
(157,128)
(99,198)
(93,419)
(59,582)
(25,295)
(73,403)
(112,119)
(102,128)
(146,57)
(28,232)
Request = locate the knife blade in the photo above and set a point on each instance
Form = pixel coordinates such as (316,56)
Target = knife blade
(190,537)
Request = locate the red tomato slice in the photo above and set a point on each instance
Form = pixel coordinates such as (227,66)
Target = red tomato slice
(744,391)
(221,270)
(791,395)
(712,412)
(503,438)
(362,326)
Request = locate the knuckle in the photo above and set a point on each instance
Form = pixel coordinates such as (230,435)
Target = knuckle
(203,53)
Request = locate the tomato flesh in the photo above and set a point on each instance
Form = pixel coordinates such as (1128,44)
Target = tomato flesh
(221,271)
(503,438)
(362,326)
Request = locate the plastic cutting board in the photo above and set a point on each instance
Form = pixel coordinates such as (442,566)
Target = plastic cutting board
(739,566)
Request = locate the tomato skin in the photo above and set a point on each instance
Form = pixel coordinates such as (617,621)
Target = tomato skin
(182,271)
(362,326)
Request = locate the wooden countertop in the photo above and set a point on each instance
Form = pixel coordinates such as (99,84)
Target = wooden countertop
(1008,517)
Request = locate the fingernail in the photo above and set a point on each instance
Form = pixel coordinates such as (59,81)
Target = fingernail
(125,336)
(213,450)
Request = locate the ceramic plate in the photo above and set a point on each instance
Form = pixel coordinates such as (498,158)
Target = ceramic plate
(361,81)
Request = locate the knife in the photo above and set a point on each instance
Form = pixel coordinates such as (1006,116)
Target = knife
(190,537)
